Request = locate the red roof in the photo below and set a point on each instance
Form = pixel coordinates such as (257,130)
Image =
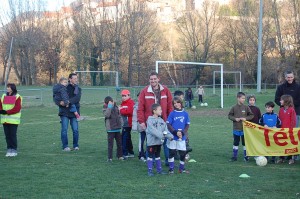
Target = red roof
(66,9)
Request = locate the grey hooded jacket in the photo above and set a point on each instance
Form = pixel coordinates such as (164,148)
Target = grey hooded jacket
(156,127)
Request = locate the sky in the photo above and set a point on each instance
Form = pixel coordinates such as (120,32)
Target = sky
(57,4)
(51,5)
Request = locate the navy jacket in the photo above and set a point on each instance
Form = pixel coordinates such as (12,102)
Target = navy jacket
(73,99)
(292,89)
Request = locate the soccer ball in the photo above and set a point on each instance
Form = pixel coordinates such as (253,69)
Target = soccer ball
(261,161)
(205,104)
(194,107)
(187,157)
(201,104)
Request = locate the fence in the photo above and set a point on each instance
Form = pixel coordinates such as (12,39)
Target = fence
(95,95)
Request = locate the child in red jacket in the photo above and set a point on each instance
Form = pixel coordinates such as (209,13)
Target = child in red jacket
(126,110)
(287,115)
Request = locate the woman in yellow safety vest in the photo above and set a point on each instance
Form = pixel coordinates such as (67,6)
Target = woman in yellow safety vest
(10,110)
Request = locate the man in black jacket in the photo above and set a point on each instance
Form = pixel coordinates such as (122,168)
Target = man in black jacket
(74,92)
(289,87)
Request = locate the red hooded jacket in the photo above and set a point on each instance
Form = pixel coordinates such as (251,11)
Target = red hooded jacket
(287,117)
(126,112)
(147,98)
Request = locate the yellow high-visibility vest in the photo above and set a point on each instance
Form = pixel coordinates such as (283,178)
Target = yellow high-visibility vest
(13,118)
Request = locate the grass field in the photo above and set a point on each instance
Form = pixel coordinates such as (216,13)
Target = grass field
(42,170)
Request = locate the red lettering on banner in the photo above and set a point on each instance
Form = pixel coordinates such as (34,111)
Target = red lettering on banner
(249,125)
(277,138)
(266,134)
(292,138)
(289,151)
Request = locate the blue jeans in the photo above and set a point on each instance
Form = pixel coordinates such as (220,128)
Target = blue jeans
(126,141)
(188,103)
(64,131)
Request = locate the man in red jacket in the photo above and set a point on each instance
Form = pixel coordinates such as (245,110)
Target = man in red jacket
(154,93)
(126,110)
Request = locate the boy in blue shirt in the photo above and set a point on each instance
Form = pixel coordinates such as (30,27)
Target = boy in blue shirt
(270,119)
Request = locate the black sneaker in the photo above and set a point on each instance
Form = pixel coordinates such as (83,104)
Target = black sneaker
(171,171)
(233,159)
(246,159)
(150,173)
(162,173)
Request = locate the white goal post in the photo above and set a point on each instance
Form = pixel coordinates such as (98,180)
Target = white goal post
(117,74)
(228,72)
(201,64)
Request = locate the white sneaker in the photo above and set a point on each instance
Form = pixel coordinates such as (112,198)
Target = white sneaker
(130,155)
(143,159)
(67,149)
(8,153)
(13,153)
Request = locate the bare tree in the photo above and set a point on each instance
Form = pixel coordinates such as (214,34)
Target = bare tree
(198,30)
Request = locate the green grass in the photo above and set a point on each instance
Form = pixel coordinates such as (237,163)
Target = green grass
(42,170)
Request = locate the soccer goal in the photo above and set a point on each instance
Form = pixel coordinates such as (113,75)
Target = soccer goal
(108,77)
(226,72)
(197,64)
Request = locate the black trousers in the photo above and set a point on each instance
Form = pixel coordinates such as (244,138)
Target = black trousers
(10,131)
(200,100)
(236,140)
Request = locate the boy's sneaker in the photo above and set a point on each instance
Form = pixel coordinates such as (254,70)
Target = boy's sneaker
(150,173)
(280,160)
(109,160)
(233,159)
(130,155)
(121,158)
(291,161)
(162,173)
(184,171)
(8,153)
(143,159)
(80,118)
(171,171)
(76,148)
(13,153)
(67,149)
(246,159)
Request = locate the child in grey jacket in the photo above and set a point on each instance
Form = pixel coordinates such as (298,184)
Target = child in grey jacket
(156,131)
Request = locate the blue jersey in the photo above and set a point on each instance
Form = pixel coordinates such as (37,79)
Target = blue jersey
(178,120)
(270,119)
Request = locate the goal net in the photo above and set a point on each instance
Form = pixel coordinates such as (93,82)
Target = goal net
(181,75)
(227,81)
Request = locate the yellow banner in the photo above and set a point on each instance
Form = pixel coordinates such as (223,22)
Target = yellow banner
(262,141)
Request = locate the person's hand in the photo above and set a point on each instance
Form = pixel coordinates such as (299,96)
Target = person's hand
(179,134)
(243,119)
(62,103)
(3,112)
(237,119)
(143,126)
